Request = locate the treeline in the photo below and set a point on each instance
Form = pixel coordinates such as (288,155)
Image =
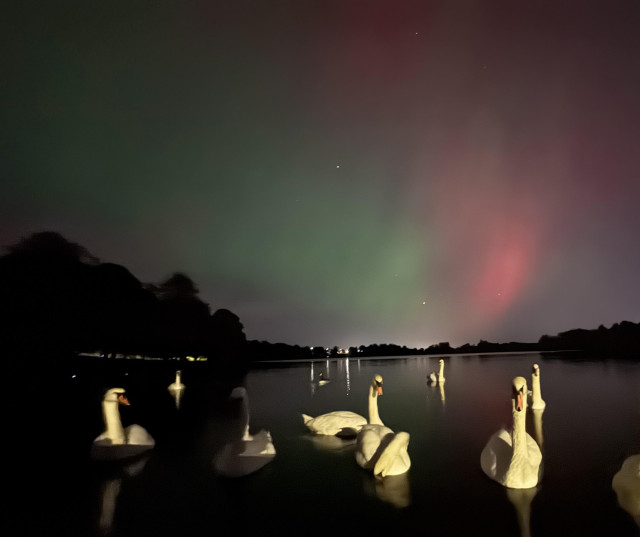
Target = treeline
(57,298)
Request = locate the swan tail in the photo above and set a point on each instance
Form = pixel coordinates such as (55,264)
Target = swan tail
(384,465)
(306,419)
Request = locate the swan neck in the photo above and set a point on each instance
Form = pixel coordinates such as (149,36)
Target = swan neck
(519,433)
(535,388)
(112,422)
(374,417)
(441,372)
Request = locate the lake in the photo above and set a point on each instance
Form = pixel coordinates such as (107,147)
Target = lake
(314,486)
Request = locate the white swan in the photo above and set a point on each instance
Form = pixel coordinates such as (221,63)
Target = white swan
(378,448)
(513,459)
(439,377)
(117,442)
(536,401)
(322,381)
(177,384)
(626,485)
(344,422)
(176,388)
(244,453)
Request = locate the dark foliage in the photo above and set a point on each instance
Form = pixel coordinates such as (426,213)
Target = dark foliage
(57,299)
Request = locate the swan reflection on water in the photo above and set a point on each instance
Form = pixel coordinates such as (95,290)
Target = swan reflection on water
(243,453)
(521,500)
(393,489)
(325,442)
(111,487)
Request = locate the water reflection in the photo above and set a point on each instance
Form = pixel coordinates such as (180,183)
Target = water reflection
(393,489)
(110,491)
(348,377)
(521,499)
(626,485)
(243,453)
(331,443)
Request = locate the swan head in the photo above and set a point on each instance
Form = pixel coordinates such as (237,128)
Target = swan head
(116,395)
(536,370)
(441,361)
(519,396)
(377,384)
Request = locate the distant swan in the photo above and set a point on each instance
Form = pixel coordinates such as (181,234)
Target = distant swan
(322,381)
(176,389)
(345,422)
(439,377)
(116,442)
(536,401)
(177,384)
(626,485)
(244,453)
(513,459)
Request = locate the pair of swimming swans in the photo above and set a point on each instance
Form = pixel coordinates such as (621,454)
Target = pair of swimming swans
(513,458)
(378,448)
(118,442)
(434,378)
(243,453)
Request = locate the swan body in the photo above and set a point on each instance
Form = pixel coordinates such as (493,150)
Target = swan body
(344,422)
(381,450)
(322,381)
(536,396)
(513,458)
(118,442)
(177,385)
(626,485)
(244,453)
(434,377)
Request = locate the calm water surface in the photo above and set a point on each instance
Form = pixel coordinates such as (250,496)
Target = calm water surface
(314,486)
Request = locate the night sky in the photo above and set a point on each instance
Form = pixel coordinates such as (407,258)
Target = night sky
(338,172)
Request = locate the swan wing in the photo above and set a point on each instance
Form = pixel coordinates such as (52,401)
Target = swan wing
(372,439)
(334,423)
(394,460)
(496,455)
(138,436)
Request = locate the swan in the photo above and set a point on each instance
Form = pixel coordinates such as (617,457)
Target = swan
(117,442)
(322,381)
(626,485)
(176,389)
(378,448)
(439,377)
(536,402)
(513,459)
(177,384)
(244,453)
(344,422)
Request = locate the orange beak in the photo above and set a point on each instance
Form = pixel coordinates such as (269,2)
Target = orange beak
(520,403)
(122,399)
(379,388)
